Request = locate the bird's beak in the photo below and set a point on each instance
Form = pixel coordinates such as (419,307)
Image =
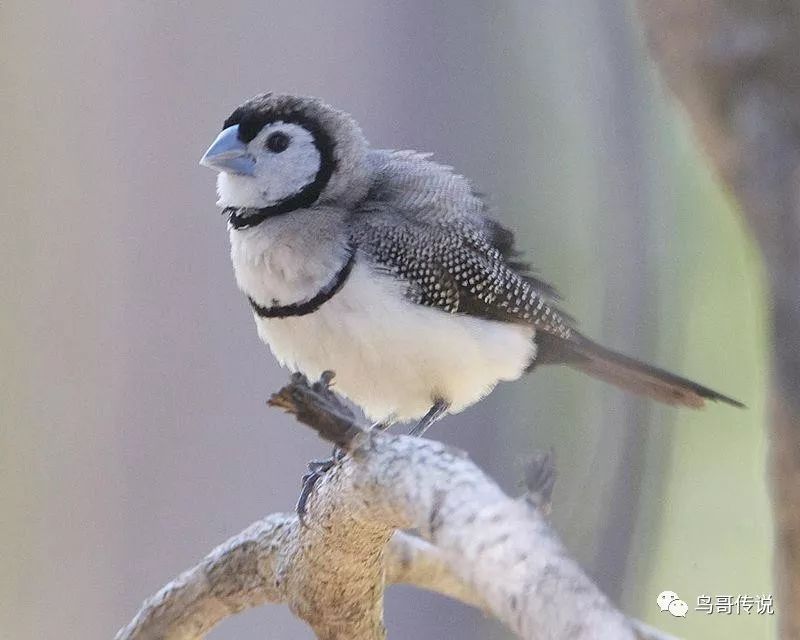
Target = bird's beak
(228,153)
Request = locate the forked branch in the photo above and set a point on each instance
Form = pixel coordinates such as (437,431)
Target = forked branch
(475,544)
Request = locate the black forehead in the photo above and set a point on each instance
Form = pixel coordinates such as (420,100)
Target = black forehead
(252,118)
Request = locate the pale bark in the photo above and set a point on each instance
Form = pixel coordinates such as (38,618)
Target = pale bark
(476,544)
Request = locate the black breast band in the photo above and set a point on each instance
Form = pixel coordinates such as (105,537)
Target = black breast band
(312,304)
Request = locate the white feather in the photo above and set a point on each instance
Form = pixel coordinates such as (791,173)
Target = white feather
(391,357)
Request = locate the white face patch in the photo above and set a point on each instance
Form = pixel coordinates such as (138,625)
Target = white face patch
(278,175)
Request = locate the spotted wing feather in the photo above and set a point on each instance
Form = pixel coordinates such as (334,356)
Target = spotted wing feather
(428,226)
(456,268)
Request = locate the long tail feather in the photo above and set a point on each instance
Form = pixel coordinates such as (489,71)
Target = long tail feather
(620,370)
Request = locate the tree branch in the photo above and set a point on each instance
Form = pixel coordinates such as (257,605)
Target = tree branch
(477,545)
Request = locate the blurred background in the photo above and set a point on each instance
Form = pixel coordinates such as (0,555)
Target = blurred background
(133,431)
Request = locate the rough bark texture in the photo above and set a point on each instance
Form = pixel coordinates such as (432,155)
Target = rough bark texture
(735,66)
(476,544)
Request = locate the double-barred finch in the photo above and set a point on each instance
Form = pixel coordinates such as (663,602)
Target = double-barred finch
(385,267)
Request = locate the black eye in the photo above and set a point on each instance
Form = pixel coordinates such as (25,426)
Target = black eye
(278,141)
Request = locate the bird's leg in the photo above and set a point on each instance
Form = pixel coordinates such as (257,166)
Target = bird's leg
(435,413)
(540,478)
(383,425)
(316,469)
(319,397)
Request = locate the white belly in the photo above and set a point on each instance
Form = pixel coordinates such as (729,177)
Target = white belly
(394,358)
(391,357)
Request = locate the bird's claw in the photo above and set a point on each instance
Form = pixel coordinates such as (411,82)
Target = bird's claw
(540,478)
(316,469)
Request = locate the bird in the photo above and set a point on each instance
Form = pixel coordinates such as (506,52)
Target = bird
(389,268)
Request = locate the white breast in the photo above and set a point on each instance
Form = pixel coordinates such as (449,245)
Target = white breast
(391,357)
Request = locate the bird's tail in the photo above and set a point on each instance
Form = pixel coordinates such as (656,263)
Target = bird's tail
(582,353)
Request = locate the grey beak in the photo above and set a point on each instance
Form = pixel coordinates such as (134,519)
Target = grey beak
(228,153)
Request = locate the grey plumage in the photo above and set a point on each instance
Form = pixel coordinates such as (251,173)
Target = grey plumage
(424,240)
(426,225)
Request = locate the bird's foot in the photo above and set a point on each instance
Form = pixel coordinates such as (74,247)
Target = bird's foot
(316,469)
(540,478)
(383,425)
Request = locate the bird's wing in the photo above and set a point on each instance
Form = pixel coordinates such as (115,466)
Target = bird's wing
(425,224)
(455,267)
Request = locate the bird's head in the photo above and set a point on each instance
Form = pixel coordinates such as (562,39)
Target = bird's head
(278,153)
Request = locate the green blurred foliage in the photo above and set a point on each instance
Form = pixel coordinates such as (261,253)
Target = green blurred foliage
(707,522)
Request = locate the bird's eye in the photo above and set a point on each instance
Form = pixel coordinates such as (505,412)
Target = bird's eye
(278,141)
